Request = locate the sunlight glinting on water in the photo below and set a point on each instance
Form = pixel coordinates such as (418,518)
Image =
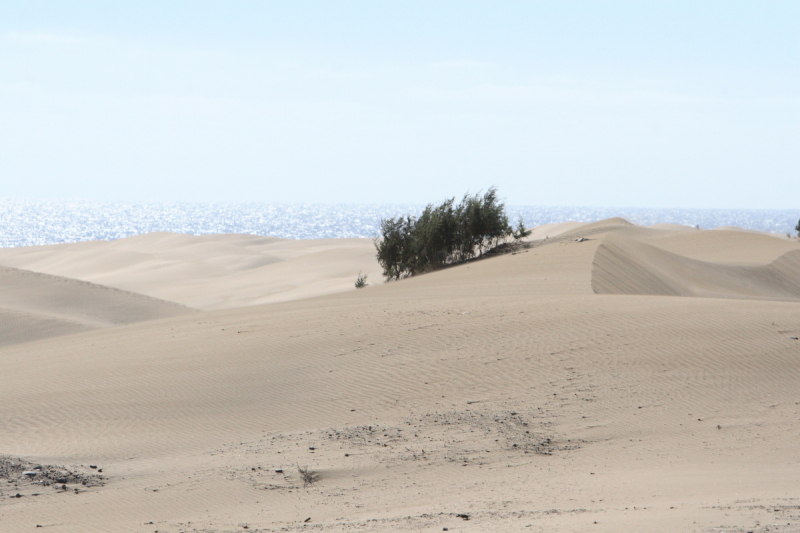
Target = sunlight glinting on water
(36,222)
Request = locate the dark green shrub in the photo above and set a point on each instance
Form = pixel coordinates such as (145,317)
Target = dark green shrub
(394,246)
(521,232)
(434,236)
(361,281)
(484,223)
(443,235)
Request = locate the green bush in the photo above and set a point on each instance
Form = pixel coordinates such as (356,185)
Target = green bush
(521,232)
(444,235)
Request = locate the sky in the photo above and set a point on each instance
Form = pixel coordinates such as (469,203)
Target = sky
(638,104)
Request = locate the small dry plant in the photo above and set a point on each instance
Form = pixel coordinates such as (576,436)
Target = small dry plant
(308,476)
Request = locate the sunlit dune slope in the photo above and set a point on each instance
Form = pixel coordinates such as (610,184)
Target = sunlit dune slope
(210,271)
(553,230)
(215,374)
(733,247)
(505,390)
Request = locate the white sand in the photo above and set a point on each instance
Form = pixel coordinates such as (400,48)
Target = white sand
(505,389)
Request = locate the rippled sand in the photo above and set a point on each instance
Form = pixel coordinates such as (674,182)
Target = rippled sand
(642,379)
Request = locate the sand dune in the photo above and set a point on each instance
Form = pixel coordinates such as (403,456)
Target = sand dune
(721,264)
(499,395)
(628,266)
(553,230)
(17,327)
(35,306)
(210,271)
(734,247)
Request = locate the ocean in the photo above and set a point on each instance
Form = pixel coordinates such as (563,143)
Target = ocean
(36,222)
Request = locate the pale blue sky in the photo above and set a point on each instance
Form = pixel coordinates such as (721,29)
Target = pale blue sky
(651,104)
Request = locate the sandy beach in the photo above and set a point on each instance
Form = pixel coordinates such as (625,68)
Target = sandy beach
(609,377)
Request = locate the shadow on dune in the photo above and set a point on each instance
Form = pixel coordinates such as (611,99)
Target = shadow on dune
(36,306)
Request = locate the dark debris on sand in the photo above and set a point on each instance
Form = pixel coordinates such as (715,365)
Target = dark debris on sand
(17,474)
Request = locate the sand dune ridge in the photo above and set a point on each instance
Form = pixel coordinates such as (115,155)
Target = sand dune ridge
(625,265)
